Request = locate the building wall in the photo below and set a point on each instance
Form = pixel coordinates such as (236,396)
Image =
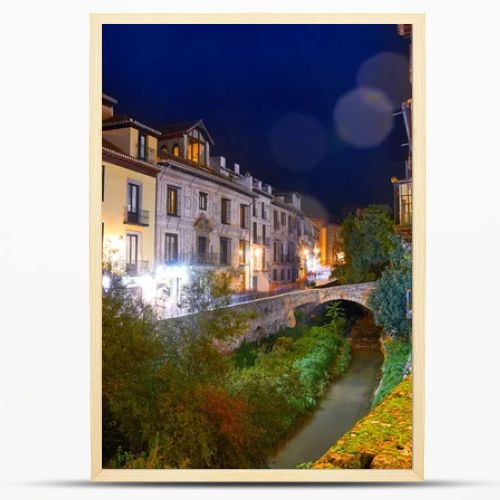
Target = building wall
(116,180)
(261,246)
(192,222)
(127,139)
(284,265)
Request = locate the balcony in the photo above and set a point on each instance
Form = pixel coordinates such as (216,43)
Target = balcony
(136,268)
(138,218)
(197,259)
(403,202)
(403,207)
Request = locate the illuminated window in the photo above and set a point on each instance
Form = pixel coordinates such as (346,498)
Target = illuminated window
(172,200)
(176,150)
(196,147)
(243,252)
(171,247)
(132,253)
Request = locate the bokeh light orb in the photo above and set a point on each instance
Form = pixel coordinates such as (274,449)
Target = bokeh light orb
(363,117)
(298,142)
(388,72)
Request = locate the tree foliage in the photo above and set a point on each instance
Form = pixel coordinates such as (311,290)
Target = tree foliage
(173,399)
(389,299)
(369,241)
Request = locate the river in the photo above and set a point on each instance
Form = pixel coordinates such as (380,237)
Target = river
(346,401)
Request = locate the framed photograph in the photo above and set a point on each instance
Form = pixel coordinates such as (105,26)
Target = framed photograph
(257,247)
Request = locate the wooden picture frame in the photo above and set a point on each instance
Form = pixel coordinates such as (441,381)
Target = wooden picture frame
(418,317)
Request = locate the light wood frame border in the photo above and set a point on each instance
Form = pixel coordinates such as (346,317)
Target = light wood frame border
(418,120)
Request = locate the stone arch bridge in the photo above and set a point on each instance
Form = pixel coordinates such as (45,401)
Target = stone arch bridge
(276,312)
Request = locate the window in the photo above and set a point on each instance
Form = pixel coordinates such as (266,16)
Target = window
(203,201)
(244,210)
(275,274)
(172,200)
(132,253)
(263,259)
(275,251)
(103,177)
(141,153)
(171,247)
(290,228)
(255,237)
(254,209)
(133,202)
(225,214)
(196,146)
(176,150)
(264,235)
(242,252)
(283,218)
(289,274)
(282,275)
(202,248)
(263,210)
(276,220)
(225,251)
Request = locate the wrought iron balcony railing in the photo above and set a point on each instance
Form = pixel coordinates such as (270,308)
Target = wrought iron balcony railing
(137,217)
(137,267)
(199,259)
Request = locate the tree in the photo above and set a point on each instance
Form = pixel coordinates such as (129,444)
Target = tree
(369,241)
(162,404)
(132,356)
(389,299)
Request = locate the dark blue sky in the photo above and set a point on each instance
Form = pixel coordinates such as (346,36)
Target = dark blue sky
(252,84)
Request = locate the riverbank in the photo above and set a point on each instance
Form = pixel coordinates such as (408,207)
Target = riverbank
(283,379)
(380,440)
(346,400)
(397,353)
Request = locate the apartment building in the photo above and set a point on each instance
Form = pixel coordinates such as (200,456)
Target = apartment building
(129,173)
(171,209)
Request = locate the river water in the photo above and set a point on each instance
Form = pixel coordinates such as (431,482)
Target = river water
(347,400)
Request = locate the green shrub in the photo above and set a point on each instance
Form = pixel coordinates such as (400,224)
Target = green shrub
(397,355)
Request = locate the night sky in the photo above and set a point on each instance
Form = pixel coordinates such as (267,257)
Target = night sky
(271,96)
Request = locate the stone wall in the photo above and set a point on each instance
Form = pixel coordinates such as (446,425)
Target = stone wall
(277,312)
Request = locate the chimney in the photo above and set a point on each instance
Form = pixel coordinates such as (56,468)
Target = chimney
(236,168)
(218,162)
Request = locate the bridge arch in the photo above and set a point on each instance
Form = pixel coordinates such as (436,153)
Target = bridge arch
(274,313)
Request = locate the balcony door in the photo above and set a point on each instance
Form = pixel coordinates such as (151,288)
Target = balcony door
(202,249)
(171,248)
(132,257)
(133,202)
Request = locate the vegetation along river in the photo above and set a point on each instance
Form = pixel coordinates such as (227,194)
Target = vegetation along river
(347,400)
